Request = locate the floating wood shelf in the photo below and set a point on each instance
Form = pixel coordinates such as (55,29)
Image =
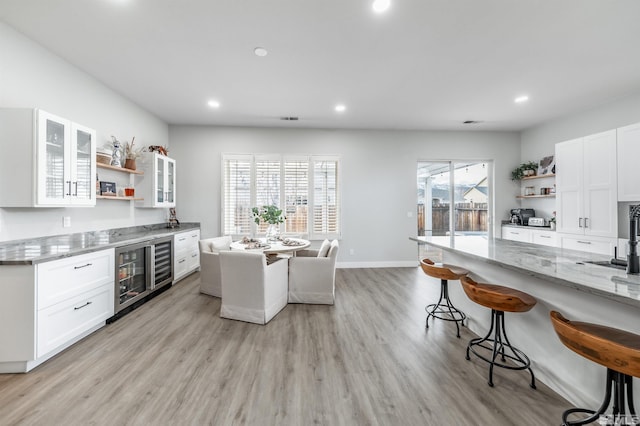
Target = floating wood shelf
(119,169)
(536,196)
(111,197)
(538,176)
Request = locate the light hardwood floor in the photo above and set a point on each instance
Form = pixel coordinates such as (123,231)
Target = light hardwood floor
(368,360)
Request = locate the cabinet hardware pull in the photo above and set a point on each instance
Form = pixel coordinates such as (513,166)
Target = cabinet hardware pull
(579,222)
(75,184)
(194,255)
(182,239)
(182,261)
(83,306)
(194,235)
(69,183)
(586,222)
(544,236)
(584,242)
(83,266)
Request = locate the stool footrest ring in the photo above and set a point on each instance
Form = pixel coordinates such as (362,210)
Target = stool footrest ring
(445,310)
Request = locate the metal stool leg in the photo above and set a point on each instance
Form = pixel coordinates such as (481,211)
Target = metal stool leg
(445,307)
(499,345)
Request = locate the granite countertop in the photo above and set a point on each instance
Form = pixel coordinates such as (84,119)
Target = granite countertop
(565,267)
(45,249)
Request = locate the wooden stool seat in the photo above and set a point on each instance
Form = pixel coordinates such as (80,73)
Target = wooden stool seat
(617,350)
(499,299)
(444,309)
(442,271)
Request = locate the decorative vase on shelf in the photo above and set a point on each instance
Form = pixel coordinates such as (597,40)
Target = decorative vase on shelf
(273,231)
(130,163)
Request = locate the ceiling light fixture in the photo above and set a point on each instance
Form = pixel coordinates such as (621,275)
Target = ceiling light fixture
(260,51)
(521,99)
(380,6)
(340,108)
(213,104)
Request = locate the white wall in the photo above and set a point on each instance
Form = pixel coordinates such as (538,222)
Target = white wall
(540,141)
(378,177)
(33,77)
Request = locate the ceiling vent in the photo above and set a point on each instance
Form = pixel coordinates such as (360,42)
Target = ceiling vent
(289,118)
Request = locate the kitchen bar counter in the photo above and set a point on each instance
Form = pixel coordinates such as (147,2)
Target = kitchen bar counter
(553,264)
(45,249)
(560,280)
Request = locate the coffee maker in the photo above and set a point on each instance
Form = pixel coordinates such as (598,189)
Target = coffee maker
(521,216)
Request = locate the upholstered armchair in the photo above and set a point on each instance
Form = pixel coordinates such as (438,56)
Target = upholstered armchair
(312,275)
(252,291)
(210,264)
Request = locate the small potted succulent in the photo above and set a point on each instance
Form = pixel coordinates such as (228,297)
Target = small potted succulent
(524,170)
(271,215)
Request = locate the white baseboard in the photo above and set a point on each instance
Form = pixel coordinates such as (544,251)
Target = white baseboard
(385,264)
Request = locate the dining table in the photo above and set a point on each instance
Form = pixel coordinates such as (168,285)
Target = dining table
(271,248)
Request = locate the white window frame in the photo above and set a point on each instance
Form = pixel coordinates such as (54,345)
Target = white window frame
(311,160)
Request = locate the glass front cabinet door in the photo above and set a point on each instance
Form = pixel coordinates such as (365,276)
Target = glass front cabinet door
(66,167)
(158,182)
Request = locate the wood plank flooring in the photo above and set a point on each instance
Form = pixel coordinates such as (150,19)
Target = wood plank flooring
(368,360)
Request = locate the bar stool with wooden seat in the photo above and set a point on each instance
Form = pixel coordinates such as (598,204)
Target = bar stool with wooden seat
(444,306)
(615,349)
(499,299)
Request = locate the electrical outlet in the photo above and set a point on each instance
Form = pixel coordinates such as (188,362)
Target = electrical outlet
(352,252)
(409,214)
(66,221)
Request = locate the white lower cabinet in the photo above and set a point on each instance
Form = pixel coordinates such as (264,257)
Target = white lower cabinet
(544,238)
(516,234)
(589,244)
(52,305)
(187,254)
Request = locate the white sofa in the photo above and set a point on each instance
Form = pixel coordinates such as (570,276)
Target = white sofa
(252,291)
(210,264)
(312,275)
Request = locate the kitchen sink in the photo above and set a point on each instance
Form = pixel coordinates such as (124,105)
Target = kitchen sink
(606,263)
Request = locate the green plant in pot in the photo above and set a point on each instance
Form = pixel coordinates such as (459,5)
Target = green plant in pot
(524,170)
(271,215)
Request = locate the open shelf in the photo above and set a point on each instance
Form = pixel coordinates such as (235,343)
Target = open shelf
(538,176)
(119,169)
(111,197)
(536,196)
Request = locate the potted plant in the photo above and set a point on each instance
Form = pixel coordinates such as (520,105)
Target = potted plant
(552,222)
(525,169)
(131,154)
(271,215)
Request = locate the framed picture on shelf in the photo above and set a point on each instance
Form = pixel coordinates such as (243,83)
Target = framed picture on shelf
(547,166)
(108,189)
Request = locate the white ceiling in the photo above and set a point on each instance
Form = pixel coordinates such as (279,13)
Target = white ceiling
(425,64)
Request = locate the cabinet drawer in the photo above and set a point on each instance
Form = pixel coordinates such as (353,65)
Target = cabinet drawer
(516,234)
(544,238)
(66,278)
(186,240)
(588,245)
(60,323)
(193,260)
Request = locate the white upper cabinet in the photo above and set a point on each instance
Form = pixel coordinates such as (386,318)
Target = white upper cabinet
(158,184)
(628,155)
(586,182)
(48,160)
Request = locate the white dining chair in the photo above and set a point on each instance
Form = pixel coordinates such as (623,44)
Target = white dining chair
(210,264)
(312,275)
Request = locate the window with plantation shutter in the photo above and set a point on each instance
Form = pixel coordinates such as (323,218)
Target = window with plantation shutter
(296,196)
(237,195)
(326,211)
(304,187)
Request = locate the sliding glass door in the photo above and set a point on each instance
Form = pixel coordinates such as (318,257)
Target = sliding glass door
(453,198)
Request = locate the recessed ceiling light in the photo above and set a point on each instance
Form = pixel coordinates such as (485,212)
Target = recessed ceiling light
(521,99)
(260,51)
(380,6)
(213,104)
(340,108)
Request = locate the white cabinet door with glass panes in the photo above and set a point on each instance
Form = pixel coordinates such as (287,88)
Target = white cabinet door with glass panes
(158,184)
(52,161)
(305,188)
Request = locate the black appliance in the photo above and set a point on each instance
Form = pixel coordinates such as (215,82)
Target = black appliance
(521,216)
(141,269)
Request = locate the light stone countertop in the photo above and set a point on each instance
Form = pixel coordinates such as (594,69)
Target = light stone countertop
(45,249)
(553,264)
